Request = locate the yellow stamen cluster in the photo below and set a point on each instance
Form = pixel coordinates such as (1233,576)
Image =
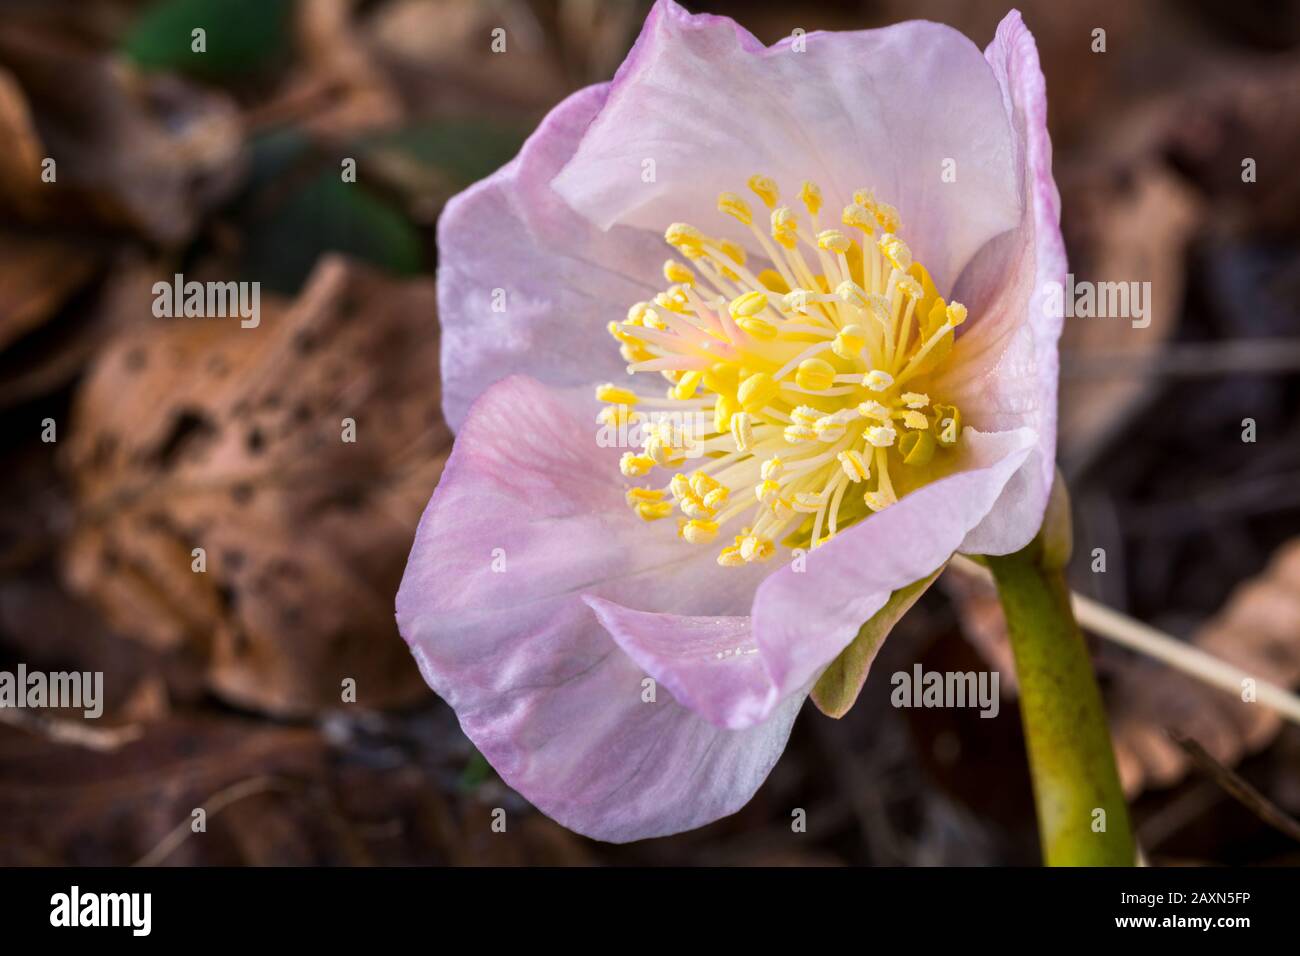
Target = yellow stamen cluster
(801,380)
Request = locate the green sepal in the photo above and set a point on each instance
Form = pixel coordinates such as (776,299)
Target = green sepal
(841,682)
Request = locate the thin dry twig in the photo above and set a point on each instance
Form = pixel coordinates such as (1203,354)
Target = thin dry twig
(1239,788)
(75,733)
(213,805)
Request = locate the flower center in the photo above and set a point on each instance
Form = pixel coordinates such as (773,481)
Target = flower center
(798,393)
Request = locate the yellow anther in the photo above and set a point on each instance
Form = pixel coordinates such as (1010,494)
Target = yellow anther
(716,498)
(617,416)
(896,251)
(622,334)
(808,502)
(815,375)
(833,240)
(729,557)
(859,217)
(767,492)
(849,342)
(749,304)
(756,391)
(757,327)
(873,409)
(865,198)
(880,436)
(662,452)
(612,393)
(702,483)
(854,465)
(794,434)
(765,189)
(805,415)
(879,500)
(680,234)
(636,314)
(773,281)
(673,300)
(723,409)
(785,228)
(636,495)
(853,294)
(735,254)
(956,314)
(772,468)
(721,377)
(680,485)
(829,429)
(694,507)
(687,385)
(811,195)
(796,301)
(888,217)
(674,271)
(742,431)
(756,548)
(877,380)
(910,287)
(658,440)
(733,205)
(653,510)
(698,531)
(634,353)
(915,399)
(915,420)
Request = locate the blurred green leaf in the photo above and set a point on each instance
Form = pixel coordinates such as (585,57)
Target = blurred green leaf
(476,772)
(243,36)
(326,215)
(464,151)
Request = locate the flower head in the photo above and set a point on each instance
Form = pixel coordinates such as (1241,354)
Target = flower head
(841,374)
(813,361)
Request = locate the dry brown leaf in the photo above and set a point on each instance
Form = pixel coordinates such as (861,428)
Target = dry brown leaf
(53,354)
(199,433)
(37,274)
(1126,224)
(337,90)
(438,54)
(148,154)
(271,795)
(1258,630)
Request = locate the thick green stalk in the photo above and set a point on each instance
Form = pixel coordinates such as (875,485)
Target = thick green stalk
(1082,818)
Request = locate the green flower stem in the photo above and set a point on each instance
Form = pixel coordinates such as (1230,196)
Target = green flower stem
(1070,756)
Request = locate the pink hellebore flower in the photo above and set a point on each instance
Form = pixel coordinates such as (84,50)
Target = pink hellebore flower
(628,634)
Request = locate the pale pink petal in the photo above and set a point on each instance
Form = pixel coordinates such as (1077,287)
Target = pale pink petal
(575,736)
(538,684)
(1004,368)
(802,620)
(709,105)
(510,241)
(709,664)
(734,669)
